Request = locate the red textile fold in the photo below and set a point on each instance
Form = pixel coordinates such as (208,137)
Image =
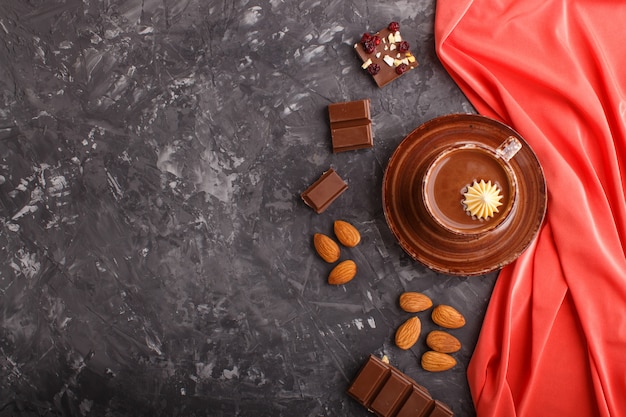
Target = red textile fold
(553,342)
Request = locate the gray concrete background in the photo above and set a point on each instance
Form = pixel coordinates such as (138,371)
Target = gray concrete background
(157,257)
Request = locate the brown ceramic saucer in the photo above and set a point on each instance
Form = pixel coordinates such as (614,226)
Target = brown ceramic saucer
(423,238)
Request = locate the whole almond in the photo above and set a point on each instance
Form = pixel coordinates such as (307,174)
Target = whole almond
(326,248)
(408,333)
(443,342)
(347,234)
(414,302)
(342,273)
(448,317)
(437,362)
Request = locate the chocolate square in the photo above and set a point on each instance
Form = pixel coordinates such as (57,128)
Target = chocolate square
(418,404)
(387,72)
(369,381)
(441,410)
(324,191)
(392,395)
(350,125)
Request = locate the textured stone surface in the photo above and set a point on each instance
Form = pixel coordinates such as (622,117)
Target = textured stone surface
(157,258)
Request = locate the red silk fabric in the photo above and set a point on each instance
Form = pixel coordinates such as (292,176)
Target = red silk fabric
(553,342)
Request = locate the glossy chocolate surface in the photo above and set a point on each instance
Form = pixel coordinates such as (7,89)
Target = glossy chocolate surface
(418,404)
(324,191)
(350,125)
(387,72)
(392,395)
(441,410)
(388,392)
(370,380)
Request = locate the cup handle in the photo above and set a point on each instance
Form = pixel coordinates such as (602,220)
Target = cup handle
(509,148)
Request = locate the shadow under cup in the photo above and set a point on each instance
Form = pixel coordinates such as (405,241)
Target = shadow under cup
(455,169)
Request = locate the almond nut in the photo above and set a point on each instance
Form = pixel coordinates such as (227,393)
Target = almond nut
(443,342)
(408,333)
(448,317)
(347,234)
(436,361)
(326,248)
(414,302)
(342,273)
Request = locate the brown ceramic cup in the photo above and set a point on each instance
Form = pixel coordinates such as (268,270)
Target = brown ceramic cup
(455,169)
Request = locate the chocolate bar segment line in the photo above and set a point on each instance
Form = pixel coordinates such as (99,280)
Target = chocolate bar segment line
(352,138)
(349,110)
(392,395)
(368,383)
(388,392)
(418,404)
(324,191)
(350,125)
(441,410)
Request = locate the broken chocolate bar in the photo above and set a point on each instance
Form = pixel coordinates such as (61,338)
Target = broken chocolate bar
(385,55)
(324,191)
(350,125)
(386,391)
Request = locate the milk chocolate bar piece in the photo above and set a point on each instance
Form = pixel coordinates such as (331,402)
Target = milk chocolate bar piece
(387,392)
(386,56)
(392,395)
(350,125)
(369,381)
(324,191)
(441,410)
(418,404)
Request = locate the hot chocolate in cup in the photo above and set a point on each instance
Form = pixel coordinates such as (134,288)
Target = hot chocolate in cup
(457,168)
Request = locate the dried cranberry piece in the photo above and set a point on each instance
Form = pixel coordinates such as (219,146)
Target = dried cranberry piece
(394,27)
(401,69)
(369,46)
(366,36)
(373,69)
(403,46)
(376,39)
